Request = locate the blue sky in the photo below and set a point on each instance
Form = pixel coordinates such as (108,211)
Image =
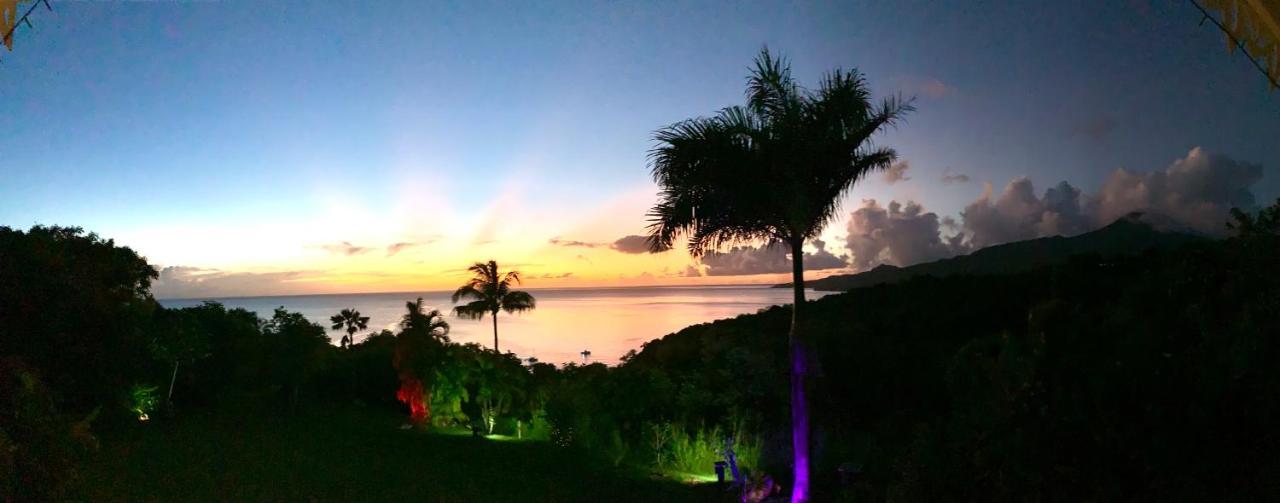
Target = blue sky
(134,119)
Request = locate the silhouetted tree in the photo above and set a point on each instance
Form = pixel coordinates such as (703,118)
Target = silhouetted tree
(350,320)
(296,346)
(774,170)
(1267,221)
(490,292)
(178,337)
(419,351)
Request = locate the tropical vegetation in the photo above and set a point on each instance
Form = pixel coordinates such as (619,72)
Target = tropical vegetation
(773,171)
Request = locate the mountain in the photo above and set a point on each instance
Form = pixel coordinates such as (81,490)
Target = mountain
(1131,234)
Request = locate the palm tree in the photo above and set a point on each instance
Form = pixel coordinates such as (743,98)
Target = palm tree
(420,350)
(350,319)
(430,322)
(491,292)
(775,171)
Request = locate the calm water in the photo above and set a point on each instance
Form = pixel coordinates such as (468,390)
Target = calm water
(607,321)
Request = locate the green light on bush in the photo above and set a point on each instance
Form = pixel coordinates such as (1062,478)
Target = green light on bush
(143,401)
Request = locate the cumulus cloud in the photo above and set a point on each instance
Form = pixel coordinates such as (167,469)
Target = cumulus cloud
(179,282)
(897,172)
(1019,214)
(631,244)
(898,235)
(948,178)
(746,260)
(345,248)
(1196,192)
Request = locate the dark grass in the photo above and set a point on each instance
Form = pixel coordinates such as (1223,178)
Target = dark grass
(351,454)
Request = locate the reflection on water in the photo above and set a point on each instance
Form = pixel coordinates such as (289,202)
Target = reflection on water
(607,321)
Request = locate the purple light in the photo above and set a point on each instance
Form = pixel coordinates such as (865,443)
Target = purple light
(799,426)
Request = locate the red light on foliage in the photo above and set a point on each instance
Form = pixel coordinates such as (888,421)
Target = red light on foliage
(411,394)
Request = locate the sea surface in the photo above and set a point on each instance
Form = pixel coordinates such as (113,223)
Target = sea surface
(608,322)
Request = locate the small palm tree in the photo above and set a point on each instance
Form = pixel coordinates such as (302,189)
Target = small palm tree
(351,320)
(489,293)
(776,171)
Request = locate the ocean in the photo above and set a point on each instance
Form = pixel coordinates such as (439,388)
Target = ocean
(608,322)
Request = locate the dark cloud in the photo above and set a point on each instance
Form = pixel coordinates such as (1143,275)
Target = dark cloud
(948,178)
(345,248)
(746,260)
(180,282)
(897,172)
(562,275)
(631,244)
(898,235)
(1097,128)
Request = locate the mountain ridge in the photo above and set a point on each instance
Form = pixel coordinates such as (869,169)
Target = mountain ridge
(1131,234)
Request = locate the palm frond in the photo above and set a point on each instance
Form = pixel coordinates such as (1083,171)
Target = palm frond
(473,310)
(515,302)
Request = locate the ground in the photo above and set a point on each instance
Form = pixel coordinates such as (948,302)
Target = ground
(353,454)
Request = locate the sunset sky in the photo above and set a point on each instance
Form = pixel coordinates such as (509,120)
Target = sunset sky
(250,148)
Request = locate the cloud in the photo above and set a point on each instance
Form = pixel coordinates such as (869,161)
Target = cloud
(631,244)
(345,248)
(1097,128)
(928,87)
(552,275)
(948,178)
(1018,214)
(1195,192)
(564,242)
(177,282)
(395,248)
(692,271)
(747,260)
(897,172)
(898,235)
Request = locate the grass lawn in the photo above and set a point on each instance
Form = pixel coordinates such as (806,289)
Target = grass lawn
(352,454)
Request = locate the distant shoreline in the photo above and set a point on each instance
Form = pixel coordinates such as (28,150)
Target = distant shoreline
(416,292)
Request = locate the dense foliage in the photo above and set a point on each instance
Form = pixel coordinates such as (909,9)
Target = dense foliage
(1102,378)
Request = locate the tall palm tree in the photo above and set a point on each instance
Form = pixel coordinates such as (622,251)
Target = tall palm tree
(351,320)
(489,293)
(774,170)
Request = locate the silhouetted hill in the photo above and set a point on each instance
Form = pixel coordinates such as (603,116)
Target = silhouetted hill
(1129,235)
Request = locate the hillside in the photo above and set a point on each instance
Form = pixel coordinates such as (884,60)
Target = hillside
(1129,235)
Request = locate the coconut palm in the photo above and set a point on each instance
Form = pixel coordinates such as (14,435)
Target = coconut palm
(351,320)
(489,293)
(772,171)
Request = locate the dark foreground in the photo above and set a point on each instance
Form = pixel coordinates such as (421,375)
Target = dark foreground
(354,454)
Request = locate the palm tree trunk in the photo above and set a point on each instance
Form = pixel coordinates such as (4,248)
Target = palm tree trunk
(495,333)
(172,380)
(799,367)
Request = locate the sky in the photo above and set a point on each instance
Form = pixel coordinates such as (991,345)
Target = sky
(279,147)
